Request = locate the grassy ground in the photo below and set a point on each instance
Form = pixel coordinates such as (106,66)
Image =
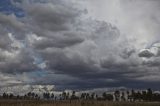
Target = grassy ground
(74,103)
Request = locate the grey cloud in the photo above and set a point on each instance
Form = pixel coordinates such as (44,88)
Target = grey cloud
(57,19)
(74,66)
(18,63)
(76,50)
(14,58)
(11,21)
(8,23)
(5,41)
(52,16)
(156,48)
(127,52)
(82,61)
(153,63)
(98,50)
(56,16)
(85,60)
(146,53)
(59,41)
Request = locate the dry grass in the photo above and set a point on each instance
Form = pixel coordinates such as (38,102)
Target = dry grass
(74,103)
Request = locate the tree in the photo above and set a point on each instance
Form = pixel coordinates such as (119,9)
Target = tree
(67,96)
(18,97)
(104,95)
(11,96)
(149,94)
(128,96)
(117,95)
(64,94)
(138,96)
(25,96)
(92,95)
(73,96)
(33,95)
(96,97)
(109,97)
(87,96)
(144,95)
(123,97)
(4,95)
(52,96)
(36,96)
(133,95)
(46,95)
(29,94)
(82,96)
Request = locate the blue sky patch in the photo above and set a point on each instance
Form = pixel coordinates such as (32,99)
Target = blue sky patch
(7,7)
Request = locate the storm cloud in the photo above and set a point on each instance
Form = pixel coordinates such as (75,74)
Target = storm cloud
(63,43)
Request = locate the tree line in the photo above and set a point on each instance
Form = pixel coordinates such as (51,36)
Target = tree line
(145,95)
(29,95)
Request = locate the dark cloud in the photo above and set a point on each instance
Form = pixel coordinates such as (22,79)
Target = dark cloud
(146,53)
(17,62)
(11,22)
(61,45)
(58,21)
(53,17)
(59,41)
(5,41)
(74,66)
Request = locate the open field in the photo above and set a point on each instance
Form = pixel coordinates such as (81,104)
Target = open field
(74,103)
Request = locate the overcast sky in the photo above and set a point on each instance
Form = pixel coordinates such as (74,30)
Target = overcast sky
(80,44)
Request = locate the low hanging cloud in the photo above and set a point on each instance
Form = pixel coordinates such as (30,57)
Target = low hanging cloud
(56,42)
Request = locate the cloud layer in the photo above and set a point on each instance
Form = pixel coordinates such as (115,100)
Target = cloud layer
(60,43)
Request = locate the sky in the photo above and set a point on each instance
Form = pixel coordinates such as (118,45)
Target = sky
(80,44)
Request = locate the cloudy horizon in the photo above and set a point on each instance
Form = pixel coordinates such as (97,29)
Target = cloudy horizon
(80,44)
